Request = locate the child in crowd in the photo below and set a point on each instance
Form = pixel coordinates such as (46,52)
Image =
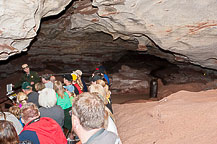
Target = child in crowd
(15,110)
(21,99)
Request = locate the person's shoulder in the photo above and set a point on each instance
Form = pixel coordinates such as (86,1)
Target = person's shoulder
(107,137)
(33,73)
(29,135)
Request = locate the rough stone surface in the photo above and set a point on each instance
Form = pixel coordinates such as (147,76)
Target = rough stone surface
(183,117)
(20,21)
(185,28)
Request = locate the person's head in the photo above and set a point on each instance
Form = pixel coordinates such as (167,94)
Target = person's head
(88,111)
(25,68)
(29,112)
(26,87)
(15,110)
(97,88)
(52,78)
(67,79)
(8,134)
(101,82)
(39,86)
(78,72)
(45,78)
(47,98)
(58,87)
(21,98)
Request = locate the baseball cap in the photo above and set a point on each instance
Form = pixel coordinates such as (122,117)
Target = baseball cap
(68,77)
(26,85)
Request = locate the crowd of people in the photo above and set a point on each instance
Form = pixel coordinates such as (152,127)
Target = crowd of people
(51,111)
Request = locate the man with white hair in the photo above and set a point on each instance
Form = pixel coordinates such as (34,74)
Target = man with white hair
(47,100)
(88,113)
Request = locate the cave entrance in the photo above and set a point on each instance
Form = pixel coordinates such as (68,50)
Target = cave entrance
(137,67)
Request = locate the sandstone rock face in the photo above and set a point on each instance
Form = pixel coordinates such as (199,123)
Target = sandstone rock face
(20,21)
(183,117)
(185,28)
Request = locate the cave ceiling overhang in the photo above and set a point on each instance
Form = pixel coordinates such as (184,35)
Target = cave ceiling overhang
(187,29)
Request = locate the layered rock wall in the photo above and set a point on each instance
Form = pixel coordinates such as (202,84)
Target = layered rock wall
(20,21)
(185,28)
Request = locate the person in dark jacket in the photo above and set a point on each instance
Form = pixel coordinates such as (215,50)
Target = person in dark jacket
(32,95)
(40,130)
(30,76)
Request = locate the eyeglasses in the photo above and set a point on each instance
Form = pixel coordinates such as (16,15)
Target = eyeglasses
(25,67)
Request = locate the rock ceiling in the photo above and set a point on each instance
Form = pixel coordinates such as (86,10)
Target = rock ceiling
(183,31)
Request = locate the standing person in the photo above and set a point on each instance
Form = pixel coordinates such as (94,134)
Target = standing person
(10,117)
(8,134)
(80,80)
(69,88)
(32,95)
(40,130)
(46,81)
(30,76)
(63,100)
(88,120)
(78,88)
(47,100)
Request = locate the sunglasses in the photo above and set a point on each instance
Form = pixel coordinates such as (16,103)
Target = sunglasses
(25,67)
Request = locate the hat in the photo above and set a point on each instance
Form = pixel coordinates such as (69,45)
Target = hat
(69,88)
(26,85)
(95,78)
(24,66)
(68,77)
(78,72)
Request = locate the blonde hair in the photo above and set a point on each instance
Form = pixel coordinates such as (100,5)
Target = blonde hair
(97,88)
(15,110)
(22,98)
(58,87)
(39,86)
(106,88)
(101,82)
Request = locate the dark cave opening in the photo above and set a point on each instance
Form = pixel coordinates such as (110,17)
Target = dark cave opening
(162,69)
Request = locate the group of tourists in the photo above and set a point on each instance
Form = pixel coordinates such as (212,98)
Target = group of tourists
(51,111)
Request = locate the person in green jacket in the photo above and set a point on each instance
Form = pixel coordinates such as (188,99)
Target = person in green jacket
(30,76)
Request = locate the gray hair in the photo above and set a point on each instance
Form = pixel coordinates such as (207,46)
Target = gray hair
(47,98)
(90,110)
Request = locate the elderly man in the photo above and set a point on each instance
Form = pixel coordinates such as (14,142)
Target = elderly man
(29,76)
(88,120)
(39,130)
